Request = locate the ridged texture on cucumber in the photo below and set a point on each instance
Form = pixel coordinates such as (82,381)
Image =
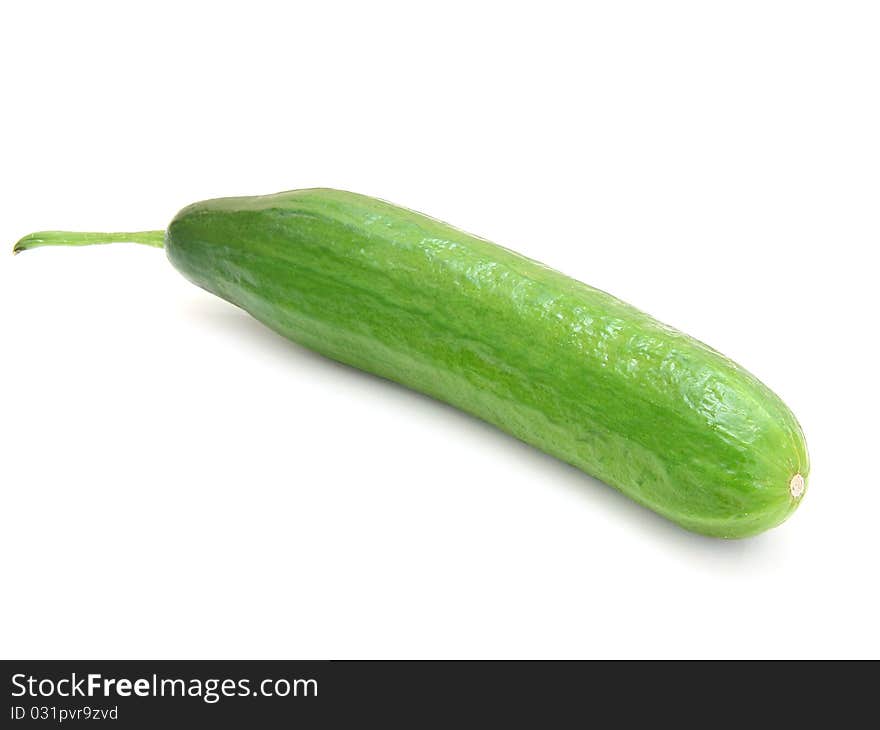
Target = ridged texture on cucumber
(561,365)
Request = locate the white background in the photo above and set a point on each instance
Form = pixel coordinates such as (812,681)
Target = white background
(177,481)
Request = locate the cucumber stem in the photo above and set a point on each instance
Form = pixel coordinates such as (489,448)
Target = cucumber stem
(74,238)
(797,486)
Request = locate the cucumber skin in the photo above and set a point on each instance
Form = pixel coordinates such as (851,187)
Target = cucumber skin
(558,364)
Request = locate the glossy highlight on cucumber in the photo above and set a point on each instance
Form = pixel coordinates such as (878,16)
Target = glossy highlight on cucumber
(565,367)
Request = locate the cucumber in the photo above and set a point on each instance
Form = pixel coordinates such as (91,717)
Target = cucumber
(565,367)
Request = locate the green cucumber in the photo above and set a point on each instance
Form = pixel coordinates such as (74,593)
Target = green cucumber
(565,367)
